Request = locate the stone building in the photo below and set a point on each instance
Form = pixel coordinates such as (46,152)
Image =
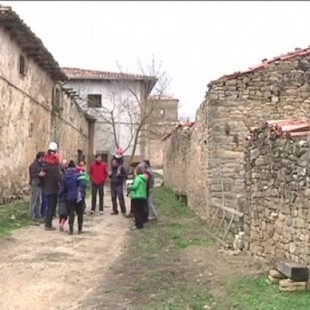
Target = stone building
(116,101)
(275,89)
(34,107)
(165,116)
(277,180)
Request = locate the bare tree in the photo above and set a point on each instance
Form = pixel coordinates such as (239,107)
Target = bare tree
(147,106)
(126,105)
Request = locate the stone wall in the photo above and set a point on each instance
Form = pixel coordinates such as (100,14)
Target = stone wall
(29,117)
(234,104)
(278,196)
(176,168)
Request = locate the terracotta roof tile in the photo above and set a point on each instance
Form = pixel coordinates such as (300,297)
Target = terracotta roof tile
(285,128)
(85,74)
(265,64)
(176,128)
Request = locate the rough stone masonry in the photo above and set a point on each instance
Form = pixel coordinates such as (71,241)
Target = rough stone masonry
(213,167)
(278,194)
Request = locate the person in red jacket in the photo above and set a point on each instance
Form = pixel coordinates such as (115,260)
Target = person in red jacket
(98,175)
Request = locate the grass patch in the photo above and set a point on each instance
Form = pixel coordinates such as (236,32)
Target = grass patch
(155,276)
(13,216)
(172,265)
(254,293)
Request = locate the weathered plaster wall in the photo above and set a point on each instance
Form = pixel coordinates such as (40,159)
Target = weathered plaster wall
(116,97)
(26,119)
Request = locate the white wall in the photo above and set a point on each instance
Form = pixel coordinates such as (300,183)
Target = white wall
(117,97)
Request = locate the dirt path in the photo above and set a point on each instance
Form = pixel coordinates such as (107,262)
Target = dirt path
(52,270)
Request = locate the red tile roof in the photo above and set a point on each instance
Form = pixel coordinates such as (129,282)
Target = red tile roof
(285,128)
(176,128)
(265,63)
(85,74)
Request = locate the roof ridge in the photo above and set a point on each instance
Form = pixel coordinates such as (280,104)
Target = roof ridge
(27,39)
(101,72)
(264,63)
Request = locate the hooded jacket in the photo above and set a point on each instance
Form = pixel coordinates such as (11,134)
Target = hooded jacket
(138,190)
(83,179)
(70,184)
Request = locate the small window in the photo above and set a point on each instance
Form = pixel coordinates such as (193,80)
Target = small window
(57,97)
(30,130)
(94,101)
(22,65)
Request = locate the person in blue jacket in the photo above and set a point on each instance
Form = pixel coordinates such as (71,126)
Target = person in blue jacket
(71,188)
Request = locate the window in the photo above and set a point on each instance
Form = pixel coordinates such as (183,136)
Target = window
(57,97)
(30,130)
(22,65)
(94,101)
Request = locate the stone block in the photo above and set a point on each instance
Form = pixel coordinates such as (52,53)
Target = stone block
(292,270)
(276,274)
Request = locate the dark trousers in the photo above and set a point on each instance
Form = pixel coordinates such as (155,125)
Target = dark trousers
(145,212)
(117,192)
(51,209)
(78,209)
(96,188)
(138,209)
(44,205)
(83,193)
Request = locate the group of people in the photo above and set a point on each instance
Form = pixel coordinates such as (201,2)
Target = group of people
(59,182)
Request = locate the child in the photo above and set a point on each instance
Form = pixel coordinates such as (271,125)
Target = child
(119,156)
(81,167)
(63,211)
(70,188)
(138,194)
(84,180)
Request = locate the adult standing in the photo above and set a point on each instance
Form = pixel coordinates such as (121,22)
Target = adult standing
(151,182)
(98,176)
(138,194)
(51,183)
(118,176)
(35,174)
(63,209)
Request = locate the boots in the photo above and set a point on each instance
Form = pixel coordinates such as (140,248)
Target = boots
(71,230)
(80,228)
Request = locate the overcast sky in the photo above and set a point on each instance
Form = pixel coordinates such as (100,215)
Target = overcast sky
(196,41)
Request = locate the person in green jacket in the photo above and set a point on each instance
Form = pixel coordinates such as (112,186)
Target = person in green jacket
(138,194)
